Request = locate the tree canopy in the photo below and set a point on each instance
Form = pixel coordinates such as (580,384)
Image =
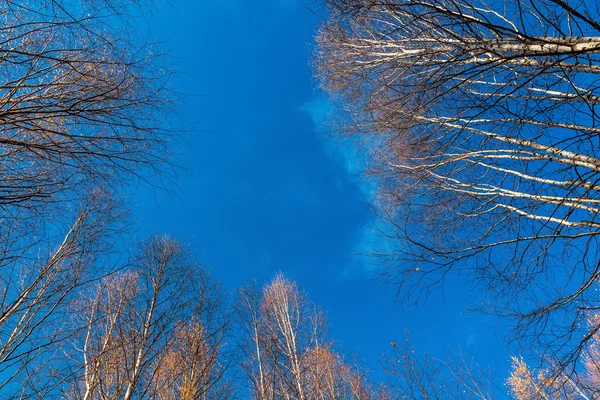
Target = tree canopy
(482,122)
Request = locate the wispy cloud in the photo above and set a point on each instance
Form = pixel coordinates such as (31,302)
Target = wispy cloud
(318,109)
(345,151)
(353,160)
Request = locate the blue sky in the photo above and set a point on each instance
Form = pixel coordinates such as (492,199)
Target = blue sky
(267,192)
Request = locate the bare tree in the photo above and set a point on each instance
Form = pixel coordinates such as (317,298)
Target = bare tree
(80,102)
(156,330)
(525,384)
(40,278)
(331,378)
(279,323)
(482,121)
(414,376)
(255,356)
(550,380)
(82,105)
(287,355)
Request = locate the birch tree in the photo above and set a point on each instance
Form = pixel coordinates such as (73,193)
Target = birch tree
(411,375)
(40,278)
(482,121)
(552,381)
(79,102)
(82,105)
(156,330)
(287,354)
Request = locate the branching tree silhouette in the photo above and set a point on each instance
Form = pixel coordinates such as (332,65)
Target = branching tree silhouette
(483,122)
(38,281)
(79,102)
(155,330)
(83,102)
(286,354)
(415,376)
(550,381)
